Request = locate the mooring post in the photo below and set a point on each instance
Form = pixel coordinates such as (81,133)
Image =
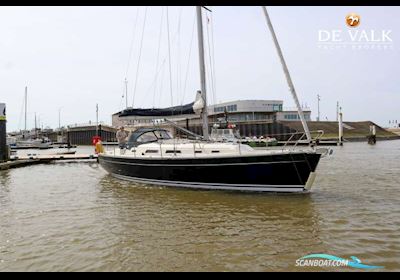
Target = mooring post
(372,135)
(340,143)
(68,138)
(100,131)
(3,134)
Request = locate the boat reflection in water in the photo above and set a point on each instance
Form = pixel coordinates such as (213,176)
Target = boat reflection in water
(180,229)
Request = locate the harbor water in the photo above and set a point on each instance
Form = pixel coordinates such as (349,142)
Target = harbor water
(76,217)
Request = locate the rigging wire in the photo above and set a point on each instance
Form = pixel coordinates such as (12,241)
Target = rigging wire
(178,63)
(210,94)
(129,57)
(122,99)
(162,84)
(213,58)
(189,59)
(169,59)
(154,83)
(208,64)
(131,45)
(158,52)
(161,68)
(140,55)
(178,60)
(210,55)
(121,107)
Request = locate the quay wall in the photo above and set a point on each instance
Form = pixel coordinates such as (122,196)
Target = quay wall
(282,130)
(84,135)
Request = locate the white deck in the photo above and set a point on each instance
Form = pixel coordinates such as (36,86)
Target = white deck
(189,149)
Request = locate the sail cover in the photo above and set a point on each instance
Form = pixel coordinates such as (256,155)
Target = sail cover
(157,112)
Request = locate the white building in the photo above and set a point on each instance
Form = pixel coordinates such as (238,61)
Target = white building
(237,111)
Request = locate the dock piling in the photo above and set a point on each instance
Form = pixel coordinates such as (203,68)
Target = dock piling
(340,142)
(372,135)
(3,134)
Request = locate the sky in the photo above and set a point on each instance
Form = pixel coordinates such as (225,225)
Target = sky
(72,58)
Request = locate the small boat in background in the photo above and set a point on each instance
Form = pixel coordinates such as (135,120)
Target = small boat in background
(66,146)
(29,139)
(11,141)
(41,144)
(66,153)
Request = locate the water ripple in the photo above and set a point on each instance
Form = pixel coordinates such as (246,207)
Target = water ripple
(75,217)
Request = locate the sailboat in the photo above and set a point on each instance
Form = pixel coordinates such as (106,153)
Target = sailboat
(154,157)
(30,142)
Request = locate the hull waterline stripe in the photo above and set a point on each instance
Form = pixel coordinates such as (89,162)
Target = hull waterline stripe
(218,186)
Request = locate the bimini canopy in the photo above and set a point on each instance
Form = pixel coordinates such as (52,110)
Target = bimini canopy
(157,112)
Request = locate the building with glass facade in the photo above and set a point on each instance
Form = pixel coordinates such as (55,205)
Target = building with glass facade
(240,111)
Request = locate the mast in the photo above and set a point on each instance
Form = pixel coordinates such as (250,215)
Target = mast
(288,78)
(337,111)
(204,112)
(26,106)
(59,119)
(97,119)
(36,134)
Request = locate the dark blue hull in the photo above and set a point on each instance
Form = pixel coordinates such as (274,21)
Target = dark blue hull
(283,172)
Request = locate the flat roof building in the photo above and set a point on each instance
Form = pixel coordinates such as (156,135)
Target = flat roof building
(238,111)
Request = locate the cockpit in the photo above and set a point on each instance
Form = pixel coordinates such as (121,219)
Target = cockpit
(147,135)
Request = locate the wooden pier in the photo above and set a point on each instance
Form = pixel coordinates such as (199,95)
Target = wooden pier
(18,163)
(23,161)
(59,157)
